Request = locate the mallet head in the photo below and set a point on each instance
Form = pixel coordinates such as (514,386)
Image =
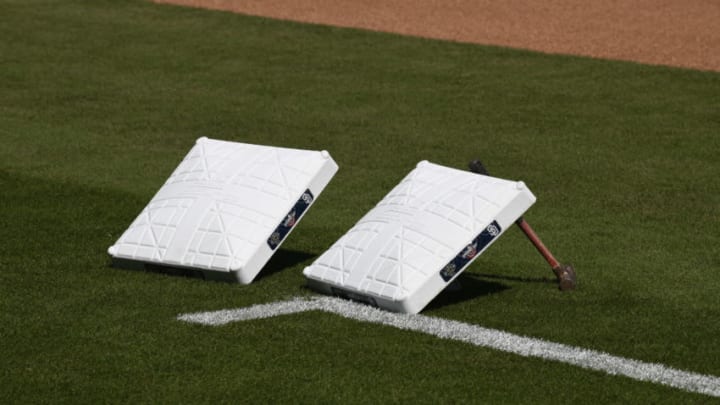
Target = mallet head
(567,280)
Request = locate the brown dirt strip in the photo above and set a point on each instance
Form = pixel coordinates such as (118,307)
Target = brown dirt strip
(684,33)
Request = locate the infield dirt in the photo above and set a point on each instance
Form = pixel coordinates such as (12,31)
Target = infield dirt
(682,33)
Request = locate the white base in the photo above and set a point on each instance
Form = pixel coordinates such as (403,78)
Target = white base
(419,238)
(226,208)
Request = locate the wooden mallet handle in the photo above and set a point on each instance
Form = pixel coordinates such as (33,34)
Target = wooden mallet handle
(565,273)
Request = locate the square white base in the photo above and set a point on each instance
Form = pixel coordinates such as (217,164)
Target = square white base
(226,208)
(415,241)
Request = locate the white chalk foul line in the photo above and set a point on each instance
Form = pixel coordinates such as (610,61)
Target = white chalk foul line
(476,335)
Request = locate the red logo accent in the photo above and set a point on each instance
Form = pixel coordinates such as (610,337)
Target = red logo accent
(470,251)
(290,220)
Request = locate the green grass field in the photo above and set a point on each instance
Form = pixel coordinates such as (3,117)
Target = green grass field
(100,100)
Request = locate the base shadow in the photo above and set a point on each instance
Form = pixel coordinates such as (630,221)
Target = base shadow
(282,259)
(469,288)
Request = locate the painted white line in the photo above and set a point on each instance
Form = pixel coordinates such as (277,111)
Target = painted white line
(476,335)
(217,318)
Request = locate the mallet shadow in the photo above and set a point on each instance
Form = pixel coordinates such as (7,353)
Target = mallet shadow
(544,280)
(474,285)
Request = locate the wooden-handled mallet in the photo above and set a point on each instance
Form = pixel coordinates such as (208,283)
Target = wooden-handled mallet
(565,273)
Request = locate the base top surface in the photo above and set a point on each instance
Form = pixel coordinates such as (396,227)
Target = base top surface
(225,204)
(421,235)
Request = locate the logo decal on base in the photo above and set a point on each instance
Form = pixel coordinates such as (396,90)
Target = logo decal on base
(470,251)
(290,220)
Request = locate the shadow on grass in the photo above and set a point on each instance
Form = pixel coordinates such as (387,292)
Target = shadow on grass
(282,259)
(466,287)
(473,285)
(469,286)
